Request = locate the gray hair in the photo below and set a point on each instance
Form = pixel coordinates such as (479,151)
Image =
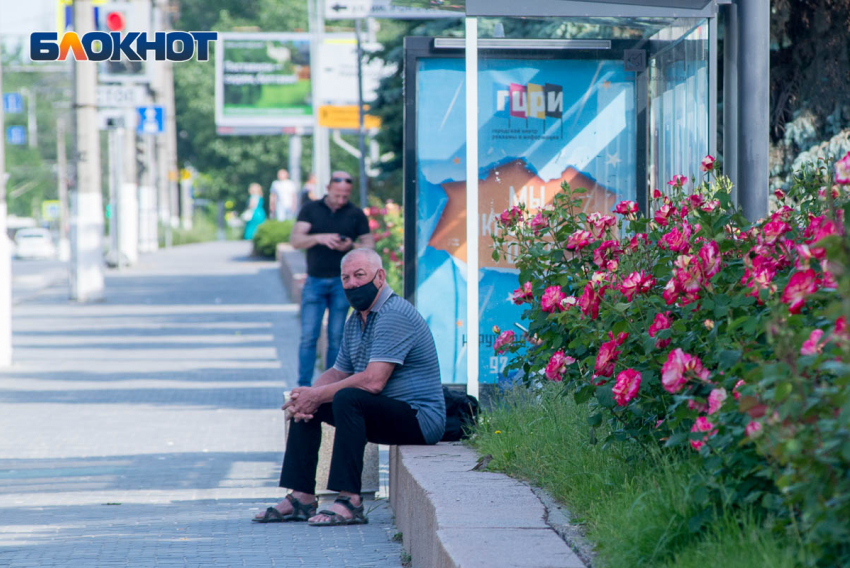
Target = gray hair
(373,258)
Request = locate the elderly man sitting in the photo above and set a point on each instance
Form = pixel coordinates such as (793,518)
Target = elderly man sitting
(384,388)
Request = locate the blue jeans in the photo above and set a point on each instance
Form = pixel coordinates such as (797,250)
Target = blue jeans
(318,295)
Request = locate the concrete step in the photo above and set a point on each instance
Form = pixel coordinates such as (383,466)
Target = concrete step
(451,516)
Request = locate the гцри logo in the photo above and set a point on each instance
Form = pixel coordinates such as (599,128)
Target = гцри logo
(531,101)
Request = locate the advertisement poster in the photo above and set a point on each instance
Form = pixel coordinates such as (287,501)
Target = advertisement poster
(263,79)
(541,122)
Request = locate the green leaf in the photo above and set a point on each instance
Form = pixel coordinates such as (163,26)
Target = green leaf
(595,419)
(728,358)
(621,307)
(583,394)
(676,439)
(495,255)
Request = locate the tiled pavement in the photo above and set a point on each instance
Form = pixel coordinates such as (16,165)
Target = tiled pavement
(146,431)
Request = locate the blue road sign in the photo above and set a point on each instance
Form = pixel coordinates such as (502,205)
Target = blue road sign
(13,103)
(151,119)
(16,135)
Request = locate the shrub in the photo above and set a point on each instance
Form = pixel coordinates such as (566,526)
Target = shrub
(387,226)
(269,235)
(695,327)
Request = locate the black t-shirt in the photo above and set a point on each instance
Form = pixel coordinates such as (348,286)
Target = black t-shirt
(348,221)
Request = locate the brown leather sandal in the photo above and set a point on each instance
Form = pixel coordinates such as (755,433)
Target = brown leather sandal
(357,516)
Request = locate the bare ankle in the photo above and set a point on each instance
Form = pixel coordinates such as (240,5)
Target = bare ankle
(355,498)
(304,497)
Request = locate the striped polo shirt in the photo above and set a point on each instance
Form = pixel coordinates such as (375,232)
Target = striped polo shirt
(395,333)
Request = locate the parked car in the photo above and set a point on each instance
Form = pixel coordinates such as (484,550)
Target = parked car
(34,243)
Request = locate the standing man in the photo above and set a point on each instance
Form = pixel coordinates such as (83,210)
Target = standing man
(328,228)
(384,387)
(283,197)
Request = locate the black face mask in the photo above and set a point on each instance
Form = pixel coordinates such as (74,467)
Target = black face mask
(362,297)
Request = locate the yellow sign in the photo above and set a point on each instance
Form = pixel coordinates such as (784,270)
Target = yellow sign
(185,174)
(64,13)
(345,117)
(51,210)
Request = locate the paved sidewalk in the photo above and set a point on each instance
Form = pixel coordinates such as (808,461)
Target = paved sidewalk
(146,431)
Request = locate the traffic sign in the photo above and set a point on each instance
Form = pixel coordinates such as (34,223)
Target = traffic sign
(345,118)
(351,9)
(50,210)
(16,135)
(120,96)
(151,119)
(13,103)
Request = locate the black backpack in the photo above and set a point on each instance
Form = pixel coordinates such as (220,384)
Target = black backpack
(461,412)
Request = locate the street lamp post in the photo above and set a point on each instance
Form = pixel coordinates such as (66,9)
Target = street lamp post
(5,253)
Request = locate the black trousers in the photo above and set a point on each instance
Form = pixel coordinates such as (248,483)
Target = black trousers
(359,417)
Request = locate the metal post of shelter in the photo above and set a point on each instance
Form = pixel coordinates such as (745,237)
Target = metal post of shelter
(472,206)
(753,106)
(730,96)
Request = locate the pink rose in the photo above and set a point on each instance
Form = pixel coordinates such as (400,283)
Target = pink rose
(504,341)
(716,399)
(662,321)
(676,240)
(840,334)
(590,299)
(735,391)
(801,286)
(551,300)
(636,240)
(707,164)
(626,208)
(842,170)
(678,181)
(607,358)
(711,205)
(664,213)
(636,282)
(679,368)
(579,240)
(656,194)
(523,294)
(509,217)
(775,229)
(600,224)
(628,383)
(557,365)
(753,429)
(780,195)
(688,273)
(702,425)
(607,255)
(568,303)
(709,256)
(538,223)
(811,346)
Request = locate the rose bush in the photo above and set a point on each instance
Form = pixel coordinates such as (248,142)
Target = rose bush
(689,304)
(387,227)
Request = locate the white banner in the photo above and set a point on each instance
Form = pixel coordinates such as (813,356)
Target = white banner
(338,72)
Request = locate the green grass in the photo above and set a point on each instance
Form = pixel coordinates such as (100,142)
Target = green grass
(636,508)
(203,230)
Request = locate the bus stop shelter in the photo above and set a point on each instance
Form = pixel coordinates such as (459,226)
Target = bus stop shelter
(618,96)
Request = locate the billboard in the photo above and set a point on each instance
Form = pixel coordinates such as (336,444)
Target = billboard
(541,122)
(263,79)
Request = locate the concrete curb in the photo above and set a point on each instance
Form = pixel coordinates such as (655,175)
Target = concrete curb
(451,516)
(293,270)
